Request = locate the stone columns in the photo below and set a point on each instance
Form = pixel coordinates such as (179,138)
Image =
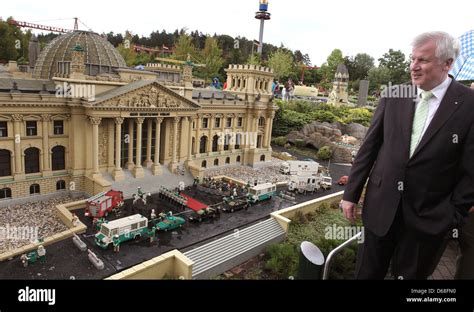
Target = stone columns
(138,169)
(190,138)
(220,147)
(270,117)
(46,118)
(182,141)
(95,121)
(110,146)
(265,142)
(130,163)
(174,163)
(118,172)
(148,161)
(234,133)
(198,138)
(156,169)
(210,125)
(19,171)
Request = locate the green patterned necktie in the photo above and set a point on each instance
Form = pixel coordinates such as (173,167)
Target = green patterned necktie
(421,113)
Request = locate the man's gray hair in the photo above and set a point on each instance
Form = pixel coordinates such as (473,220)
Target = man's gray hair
(447,47)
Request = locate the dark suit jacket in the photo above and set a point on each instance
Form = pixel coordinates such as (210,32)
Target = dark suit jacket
(435,185)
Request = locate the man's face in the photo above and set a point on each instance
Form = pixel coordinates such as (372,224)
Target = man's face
(427,71)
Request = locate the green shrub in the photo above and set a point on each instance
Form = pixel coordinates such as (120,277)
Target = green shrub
(324,153)
(300,143)
(282,260)
(280,141)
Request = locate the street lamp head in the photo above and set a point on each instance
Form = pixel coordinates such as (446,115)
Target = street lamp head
(263,5)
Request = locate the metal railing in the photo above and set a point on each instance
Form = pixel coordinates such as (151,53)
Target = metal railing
(335,251)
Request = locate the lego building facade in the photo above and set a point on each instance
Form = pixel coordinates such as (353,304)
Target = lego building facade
(79,113)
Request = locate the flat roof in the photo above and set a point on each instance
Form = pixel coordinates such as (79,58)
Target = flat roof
(124,221)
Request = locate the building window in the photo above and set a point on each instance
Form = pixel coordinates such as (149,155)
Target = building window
(215,142)
(3,129)
(227,139)
(238,140)
(203,164)
(205,122)
(58,127)
(227,160)
(31,128)
(32,155)
(5,193)
(238,159)
(261,122)
(218,123)
(229,122)
(34,189)
(259,141)
(5,163)
(58,158)
(203,145)
(60,185)
(216,162)
(240,121)
(262,158)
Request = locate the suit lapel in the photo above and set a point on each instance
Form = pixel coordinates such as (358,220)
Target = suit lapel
(450,103)
(407,112)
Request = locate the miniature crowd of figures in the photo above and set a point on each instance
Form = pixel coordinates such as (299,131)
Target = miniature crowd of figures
(221,187)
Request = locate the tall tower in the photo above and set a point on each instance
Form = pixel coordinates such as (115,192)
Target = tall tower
(338,95)
(262,15)
(34,51)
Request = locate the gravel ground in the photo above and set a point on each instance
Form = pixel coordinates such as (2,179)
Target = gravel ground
(267,172)
(21,224)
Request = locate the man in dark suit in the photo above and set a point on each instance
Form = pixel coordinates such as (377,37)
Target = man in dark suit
(419,157)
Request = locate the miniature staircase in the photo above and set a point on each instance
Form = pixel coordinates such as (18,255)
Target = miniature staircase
(229,251)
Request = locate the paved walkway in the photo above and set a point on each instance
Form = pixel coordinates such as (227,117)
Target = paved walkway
(150,183)
(447,265)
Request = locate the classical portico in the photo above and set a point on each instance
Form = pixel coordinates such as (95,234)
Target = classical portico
(135,127)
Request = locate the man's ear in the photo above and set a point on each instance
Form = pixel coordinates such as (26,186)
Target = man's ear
(448,64)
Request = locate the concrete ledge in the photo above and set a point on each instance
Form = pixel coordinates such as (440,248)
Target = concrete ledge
(172,264)
(63,211)
(283,216)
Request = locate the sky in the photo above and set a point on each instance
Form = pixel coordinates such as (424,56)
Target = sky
(314,27)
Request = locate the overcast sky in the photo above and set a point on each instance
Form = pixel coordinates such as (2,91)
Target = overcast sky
(314,27)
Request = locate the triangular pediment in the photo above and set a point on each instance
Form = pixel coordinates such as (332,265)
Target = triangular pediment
(144,94)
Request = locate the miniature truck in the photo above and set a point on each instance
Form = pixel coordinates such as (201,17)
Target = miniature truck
(299,167)
(326,181)
(303,184)
(99,206)
(261,192)
(234,204)
(121,230)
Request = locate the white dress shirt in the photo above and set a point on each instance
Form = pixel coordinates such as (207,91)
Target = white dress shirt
(434,102)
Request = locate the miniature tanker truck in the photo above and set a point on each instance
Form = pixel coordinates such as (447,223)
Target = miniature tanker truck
(118,231)
(99,206)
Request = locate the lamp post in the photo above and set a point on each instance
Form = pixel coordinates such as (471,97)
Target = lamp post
(262,15)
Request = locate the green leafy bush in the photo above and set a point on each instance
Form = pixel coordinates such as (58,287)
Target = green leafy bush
(324,153)
(280,141)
